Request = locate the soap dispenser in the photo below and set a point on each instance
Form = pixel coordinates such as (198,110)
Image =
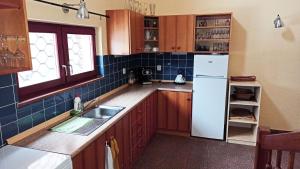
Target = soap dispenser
(77,103)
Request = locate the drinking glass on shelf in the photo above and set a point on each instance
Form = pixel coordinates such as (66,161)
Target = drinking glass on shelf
(19,55)
(136,6)
(145,8)
(152,9)
(140,7)
(7,55)
(2,50)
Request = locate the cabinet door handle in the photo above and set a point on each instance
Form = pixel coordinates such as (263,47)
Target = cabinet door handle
(173,48)
(65,69)
(189,99)
(178,47)
(71,69)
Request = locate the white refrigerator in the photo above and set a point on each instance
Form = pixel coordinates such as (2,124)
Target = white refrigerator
(209,96)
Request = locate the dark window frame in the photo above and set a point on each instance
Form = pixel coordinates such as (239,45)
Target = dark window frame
(61,31)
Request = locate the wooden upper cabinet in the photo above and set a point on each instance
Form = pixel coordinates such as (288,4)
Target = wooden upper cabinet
(124,32)
(14,23)
(167,28)
(139,34)
(118,35)
(176,33)
(185,33)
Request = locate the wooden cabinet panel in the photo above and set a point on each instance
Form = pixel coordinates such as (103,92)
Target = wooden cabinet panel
(119,138)
(148,118)
(125,32)
(172,110)
(126,142)
(100,146)
(138,130)
(87,158)
(176,33)
(133,30)
(154,115)
(90,156)
(185,33)
(139,25)
(162,33)
(162,110)
(184,111)
(118,36)
(170,33)
(78,161)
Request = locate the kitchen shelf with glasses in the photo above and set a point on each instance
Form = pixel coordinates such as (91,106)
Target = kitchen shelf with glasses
(14,37)
(243,112)
(151,34)
(212,33)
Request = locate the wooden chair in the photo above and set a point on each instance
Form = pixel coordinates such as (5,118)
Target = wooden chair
(267,142)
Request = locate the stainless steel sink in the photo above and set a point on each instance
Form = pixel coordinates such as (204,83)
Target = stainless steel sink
(103,112)
(89,121)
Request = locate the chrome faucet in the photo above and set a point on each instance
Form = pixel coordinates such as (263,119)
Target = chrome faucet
(85,107)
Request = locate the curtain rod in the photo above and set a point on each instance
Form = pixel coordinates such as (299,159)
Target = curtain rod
(64,6)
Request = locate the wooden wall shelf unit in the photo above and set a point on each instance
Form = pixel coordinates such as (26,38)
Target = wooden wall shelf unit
(151,34)
(242,125)
(14,24)
(212,33)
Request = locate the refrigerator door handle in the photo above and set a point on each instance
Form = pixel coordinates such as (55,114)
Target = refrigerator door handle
(209,76)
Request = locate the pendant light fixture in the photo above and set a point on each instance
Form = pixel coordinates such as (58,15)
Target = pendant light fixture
(278,22)
(82,11)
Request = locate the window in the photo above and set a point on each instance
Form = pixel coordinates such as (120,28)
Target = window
(61,56)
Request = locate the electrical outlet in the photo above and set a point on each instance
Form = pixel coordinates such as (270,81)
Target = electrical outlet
(158,68)
(124,71)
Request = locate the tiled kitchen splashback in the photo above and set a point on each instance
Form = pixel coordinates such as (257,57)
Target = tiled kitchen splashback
(15,120)
(171,64)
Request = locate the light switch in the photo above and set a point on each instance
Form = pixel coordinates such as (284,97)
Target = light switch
(158,68)
(124,71)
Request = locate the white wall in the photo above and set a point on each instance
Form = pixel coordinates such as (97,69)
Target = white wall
(259,49)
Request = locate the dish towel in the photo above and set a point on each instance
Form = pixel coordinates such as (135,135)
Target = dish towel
(109,164)
(115,152)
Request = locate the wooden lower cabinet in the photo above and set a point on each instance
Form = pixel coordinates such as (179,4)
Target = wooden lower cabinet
(92,157)
(161,110)
(184,108)
(151,116)
(174,111)
(138,130)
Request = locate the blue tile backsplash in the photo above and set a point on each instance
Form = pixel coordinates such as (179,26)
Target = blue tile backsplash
(15,120)
(171,64)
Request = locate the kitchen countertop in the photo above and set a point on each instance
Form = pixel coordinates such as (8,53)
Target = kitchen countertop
(71,144)
(12,157)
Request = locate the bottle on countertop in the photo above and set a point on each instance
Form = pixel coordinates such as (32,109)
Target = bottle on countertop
(77,103)
(131,77)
